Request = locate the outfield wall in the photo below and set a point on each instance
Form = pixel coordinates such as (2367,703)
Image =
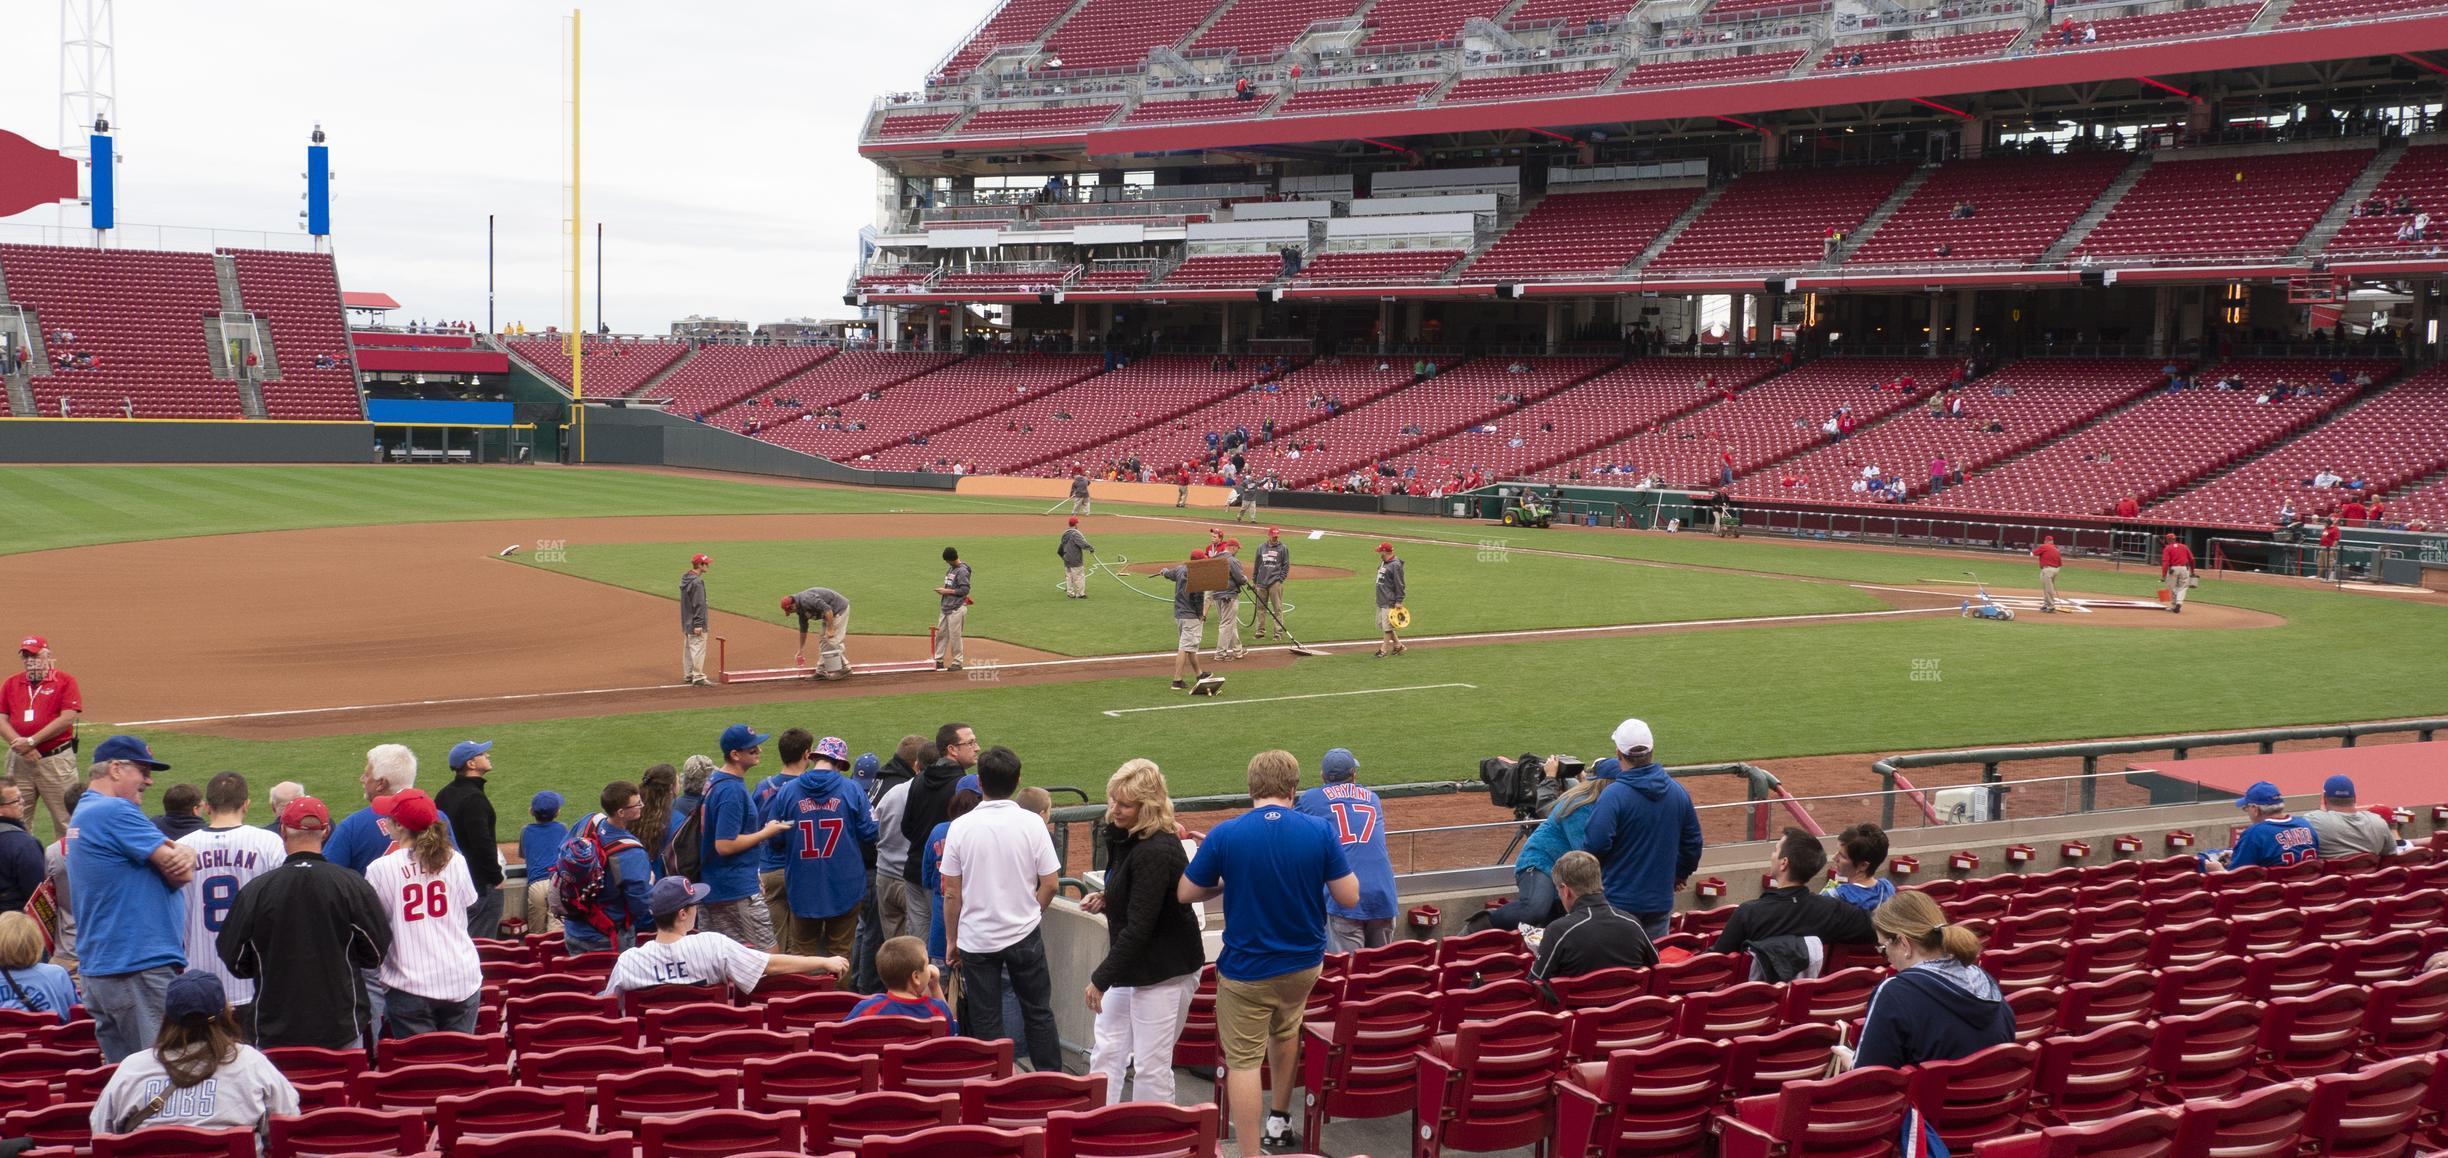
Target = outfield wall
(644,436)
(104,440)
(1002,486)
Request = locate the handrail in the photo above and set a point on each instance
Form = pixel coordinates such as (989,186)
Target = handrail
(2266,739)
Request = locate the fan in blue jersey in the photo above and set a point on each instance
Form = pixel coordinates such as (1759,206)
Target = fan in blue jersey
(1357,817)
(825,866)
(2273,839)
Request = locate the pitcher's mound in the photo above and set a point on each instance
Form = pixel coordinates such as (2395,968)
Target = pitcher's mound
(2080,610)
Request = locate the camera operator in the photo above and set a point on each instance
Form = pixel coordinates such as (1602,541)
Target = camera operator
(1535,900)
(1644,832)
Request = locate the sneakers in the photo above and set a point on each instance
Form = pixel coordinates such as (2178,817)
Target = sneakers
(1180,686)
(1278,1136)
(700,682)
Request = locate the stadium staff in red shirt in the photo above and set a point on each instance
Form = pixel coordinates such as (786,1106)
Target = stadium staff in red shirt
(2176,570)
(38,715)
(2327,564)
(2050,561)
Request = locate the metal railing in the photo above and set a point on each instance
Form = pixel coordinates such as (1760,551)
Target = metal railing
(175,238)
(1990,760)
(2098,539)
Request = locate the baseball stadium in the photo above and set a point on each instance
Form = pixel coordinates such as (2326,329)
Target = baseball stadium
(1841,577)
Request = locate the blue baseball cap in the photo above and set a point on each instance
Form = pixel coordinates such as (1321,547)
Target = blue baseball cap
(672,894)
(129,748)
(2262,794)
(547,802)
(868,766)
(1606,769)
(193,995)
(739,736)
(1337,765)
(2339,787)
(466,750)
(969,783)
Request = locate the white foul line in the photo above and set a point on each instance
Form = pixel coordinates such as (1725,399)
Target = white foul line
(1118,712)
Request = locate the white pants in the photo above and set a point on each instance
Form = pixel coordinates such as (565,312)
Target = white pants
(1080,505)
(948,648)
(2048,588)
(2178,579)
(692,656)
(1075,581)
(1139,1025)
(1228,623)
(830,655)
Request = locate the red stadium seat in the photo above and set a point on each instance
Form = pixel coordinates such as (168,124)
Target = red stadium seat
(841,1122)
(419,1087)
(347,1130)
(1758,1065)
(627,1100)
(2371,1113)
(943,1064)
(65,1124)
(961,1142)
(1644,1101)
(780,1083)
(1598,988)
(508,1110)
(460,1049)
(718,1134)
(24,1095)
(305,1063)
(1486,1003)
(638,1002)
(520,1009)
(1360,1064)
(1843,995)
(2090,1005)
(2094,1076)
(1859,1112)
(2312,1035)
(2205,1055)
(668,1023)
(1636,1023)
(550,1144)
(1749,1009)
(803,1011)
(1133,1130)
(2265,1123)
(2037,1012)
(1979,1097)
(585,1029)
(2141,1134)
(2199,988)
(176,1142)
(1491,1084)
(1021,1099)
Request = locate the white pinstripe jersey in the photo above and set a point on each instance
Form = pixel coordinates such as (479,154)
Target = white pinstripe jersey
(226,859)
(432,955)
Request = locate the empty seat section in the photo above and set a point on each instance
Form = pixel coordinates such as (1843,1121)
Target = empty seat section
(612,368)
(1195,109)
(1377,267)
(1573,421)
(1919,50)
(832,382)
(1713,68)
(902,280)
(1367,96)
(1226,271)
(1040,119)
(1581,233)
(2036,400)
(934,401)
(1779,219)
(2312,10)
(2158,444)
(1766,422)
(1294,402)
(2426,504)
(1014,22)
(1005,281)
(1259,28)
(1114,33)
(1570,11)
(2389,440)
(904,125)
(2181,24)
(2238,207)
(1095,411)
(1568,82)
(2020,207)
(299,295)
(1457,397)
(1394,22)
(139,314)
(717,376)
(1105,276)
(2420,179)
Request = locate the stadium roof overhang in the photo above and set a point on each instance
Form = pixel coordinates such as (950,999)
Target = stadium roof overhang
(2165,65)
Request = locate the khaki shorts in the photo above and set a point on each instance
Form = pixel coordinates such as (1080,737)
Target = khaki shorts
(1190,632)
(1249,1014)
(1383,623)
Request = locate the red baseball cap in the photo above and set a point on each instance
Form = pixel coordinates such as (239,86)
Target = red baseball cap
(701,561)
(412,810)
(1198,554)
(306,814)
(1075,520)
(32,645)
(789,602)
(1272,532)
(1385,548)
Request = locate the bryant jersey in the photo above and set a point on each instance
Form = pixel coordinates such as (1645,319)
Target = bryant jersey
(432,955)
(1357,817)
(226,859)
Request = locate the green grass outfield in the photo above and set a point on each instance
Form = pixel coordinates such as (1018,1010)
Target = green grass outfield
(1757,694)
(1016,582)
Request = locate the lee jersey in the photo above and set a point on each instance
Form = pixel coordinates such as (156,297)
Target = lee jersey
(432,955)
(226,859)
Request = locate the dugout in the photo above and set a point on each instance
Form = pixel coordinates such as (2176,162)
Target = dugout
(439,432)
(1640,509)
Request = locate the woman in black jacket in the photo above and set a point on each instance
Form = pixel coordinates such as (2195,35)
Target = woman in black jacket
(1140,993)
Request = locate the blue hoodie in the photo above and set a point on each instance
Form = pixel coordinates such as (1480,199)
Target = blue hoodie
(824,863)
(1935,1011)
(1646,836)
(1561,832)
(771,857)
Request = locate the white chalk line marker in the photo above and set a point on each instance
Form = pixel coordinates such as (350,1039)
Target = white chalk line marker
(1221,703)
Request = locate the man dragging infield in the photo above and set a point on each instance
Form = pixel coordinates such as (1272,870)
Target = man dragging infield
(831,610)
(1189,619)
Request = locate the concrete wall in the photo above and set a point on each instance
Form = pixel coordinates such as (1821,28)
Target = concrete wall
(643,436)
(170,440)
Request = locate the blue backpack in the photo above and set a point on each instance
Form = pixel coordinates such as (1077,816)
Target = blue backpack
(587,875)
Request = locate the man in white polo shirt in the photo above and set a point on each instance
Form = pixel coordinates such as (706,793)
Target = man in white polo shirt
(999,870)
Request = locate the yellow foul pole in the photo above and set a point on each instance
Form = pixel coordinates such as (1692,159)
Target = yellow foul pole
(577,298)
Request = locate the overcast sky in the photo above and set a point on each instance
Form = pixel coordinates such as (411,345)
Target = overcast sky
(720,140)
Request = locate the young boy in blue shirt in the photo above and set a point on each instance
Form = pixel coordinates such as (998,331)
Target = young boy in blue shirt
(1860,852)
(540,849)
(912,987)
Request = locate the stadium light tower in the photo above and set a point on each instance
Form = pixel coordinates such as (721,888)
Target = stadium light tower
(89,77)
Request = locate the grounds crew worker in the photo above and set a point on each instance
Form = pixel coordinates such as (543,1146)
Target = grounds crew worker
(693,621)
(1227,603)
(2176,570)
(1074,549)
(1274,566)
(38,715)
(1189,617)
(1390,593)
(1079,494)
(2050,561)
(832,609)
(953,610)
